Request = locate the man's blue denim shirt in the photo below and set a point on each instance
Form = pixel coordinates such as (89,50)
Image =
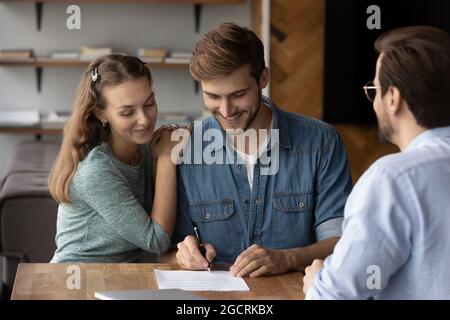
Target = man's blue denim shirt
(285,210)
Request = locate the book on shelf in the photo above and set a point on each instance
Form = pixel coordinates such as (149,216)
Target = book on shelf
(152,59)
(152,55)
(92,53)
(55,119)
(152,52)
(179,57)
(65,55)
(177,60)
(187,55)
(19,118)
(16,54)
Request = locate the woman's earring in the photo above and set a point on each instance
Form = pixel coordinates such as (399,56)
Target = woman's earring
(104,124)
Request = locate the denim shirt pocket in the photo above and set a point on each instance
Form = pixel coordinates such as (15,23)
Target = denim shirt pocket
(209,211)
(292,219)
(217,226)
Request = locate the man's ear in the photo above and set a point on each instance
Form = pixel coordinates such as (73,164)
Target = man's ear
(395,100)
(264,78)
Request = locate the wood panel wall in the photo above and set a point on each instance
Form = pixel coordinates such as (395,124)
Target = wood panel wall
(297,64)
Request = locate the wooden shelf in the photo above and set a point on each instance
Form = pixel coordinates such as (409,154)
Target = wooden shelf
(32,130)
(48,62)
(39,63)
(36,131)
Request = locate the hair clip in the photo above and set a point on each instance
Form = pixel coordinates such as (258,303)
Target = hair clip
(95,75)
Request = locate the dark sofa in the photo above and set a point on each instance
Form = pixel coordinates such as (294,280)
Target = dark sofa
(27,211)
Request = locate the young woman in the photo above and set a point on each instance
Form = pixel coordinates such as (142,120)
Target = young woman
(110,209)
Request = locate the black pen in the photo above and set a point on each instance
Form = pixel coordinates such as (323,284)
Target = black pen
(201,246)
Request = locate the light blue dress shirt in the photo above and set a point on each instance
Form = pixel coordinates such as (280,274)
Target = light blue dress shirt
(396,229)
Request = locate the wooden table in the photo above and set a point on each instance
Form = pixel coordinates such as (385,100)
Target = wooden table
(46,281)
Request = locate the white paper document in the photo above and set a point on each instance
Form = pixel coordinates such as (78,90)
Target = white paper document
(199,280)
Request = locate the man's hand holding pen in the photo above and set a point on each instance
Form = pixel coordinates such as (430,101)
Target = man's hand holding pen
(189,255)
(201,246)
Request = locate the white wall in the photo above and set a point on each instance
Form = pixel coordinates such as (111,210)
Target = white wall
(124,27)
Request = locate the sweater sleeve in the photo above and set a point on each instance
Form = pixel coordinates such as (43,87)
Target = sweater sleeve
(102,187)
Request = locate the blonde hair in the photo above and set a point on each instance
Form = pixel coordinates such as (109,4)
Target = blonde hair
(84,130)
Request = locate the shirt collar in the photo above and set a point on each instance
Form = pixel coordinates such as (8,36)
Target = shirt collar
(430,134)
(279,121)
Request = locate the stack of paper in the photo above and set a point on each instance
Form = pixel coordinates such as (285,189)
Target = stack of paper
(179,57)
(65,55)
(19,118)
(55,119)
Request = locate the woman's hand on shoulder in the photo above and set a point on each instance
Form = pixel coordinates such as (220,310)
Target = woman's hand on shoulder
(163,141)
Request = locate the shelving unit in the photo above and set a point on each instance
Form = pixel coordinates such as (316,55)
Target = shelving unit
(40,63)
(49,62)
(39,5)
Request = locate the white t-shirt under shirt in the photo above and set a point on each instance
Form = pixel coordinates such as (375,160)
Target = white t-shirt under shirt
(251,159)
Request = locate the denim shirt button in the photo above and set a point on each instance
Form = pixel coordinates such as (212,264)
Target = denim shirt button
(301,205)
(207,215)
(256,201)
(239,166)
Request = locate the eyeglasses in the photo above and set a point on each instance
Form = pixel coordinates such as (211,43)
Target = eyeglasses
(371,90)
